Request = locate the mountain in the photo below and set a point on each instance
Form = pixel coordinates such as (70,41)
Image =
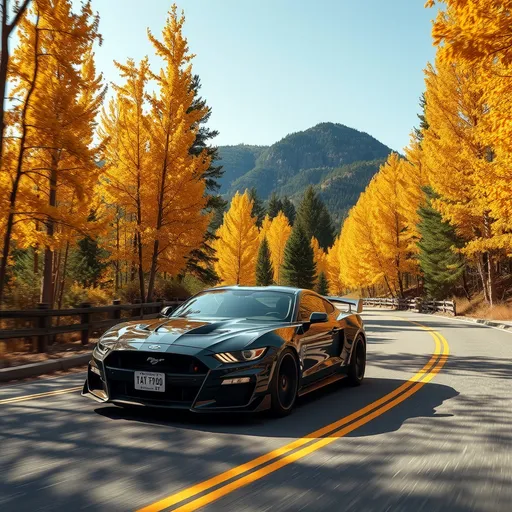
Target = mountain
(339,161)
(237,161)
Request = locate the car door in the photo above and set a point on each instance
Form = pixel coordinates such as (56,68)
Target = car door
(316,349)
(337,333)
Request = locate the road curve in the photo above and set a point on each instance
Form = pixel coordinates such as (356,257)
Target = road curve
(426,431)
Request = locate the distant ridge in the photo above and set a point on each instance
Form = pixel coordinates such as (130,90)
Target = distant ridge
(339,161)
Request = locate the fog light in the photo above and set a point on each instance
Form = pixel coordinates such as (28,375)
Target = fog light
(95,370)
(240,380)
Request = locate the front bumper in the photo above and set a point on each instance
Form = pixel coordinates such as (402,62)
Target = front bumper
(202,391)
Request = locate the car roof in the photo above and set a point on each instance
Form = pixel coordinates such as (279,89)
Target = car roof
(274,288)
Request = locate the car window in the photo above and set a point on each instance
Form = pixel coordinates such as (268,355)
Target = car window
(329,308)
(239,303)
(310,304)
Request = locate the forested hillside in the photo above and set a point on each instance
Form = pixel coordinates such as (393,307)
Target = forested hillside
(337,159)
(237,161)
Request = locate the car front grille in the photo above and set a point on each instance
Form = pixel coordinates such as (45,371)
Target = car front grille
(183,380)
(166,363)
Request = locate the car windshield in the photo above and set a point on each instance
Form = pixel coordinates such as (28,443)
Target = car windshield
(250,304)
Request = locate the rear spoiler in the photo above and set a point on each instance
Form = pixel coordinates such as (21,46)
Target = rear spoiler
(356,303)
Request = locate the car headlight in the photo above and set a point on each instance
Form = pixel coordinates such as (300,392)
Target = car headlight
(240,356)
(101,349)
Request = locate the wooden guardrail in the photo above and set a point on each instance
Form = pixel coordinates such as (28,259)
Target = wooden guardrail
(40,321)
(418,304)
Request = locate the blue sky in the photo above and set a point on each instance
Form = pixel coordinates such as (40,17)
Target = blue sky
(273,67)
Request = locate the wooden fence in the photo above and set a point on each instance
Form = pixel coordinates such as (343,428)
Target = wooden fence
(415,304)
(42,324)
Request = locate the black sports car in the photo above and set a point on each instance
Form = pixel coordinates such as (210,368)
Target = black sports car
(231,349)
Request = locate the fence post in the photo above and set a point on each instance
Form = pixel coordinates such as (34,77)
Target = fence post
(137,312)
(116,314)
(43,322)
(85,319)
(454,309)
(160,306)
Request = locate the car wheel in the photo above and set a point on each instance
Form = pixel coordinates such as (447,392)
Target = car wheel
(285,384)
(358,364)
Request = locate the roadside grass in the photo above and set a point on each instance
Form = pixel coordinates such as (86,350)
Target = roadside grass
(477,308)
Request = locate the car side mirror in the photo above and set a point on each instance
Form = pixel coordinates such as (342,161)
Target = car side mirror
(317,318)
(165,312)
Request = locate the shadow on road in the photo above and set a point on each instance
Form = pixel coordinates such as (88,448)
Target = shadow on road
(468,366)
(312,412)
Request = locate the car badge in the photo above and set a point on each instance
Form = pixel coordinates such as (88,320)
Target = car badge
(154,347)
(154,361)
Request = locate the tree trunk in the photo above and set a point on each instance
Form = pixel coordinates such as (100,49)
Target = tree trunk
(133,267)
(4,62)
(57,260)
(36,261)
(491,271)
(482,271)
(159,221)
(47,290)
(491,281)
(19,165)
(63,277)
(141,268)
(401,285)
(116,263)
(152,274)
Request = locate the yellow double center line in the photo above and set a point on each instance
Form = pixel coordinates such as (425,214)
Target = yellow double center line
(24,398)
(292,452)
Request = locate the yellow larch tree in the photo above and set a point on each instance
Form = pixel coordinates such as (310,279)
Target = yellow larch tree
(176,189)
(361,263)
(333,266)
(319,256)
(237,243)
(374,244)
(474,30)
(59,94)
(277,236)
(128,162)
(464,168)
(387,215)
(265,226)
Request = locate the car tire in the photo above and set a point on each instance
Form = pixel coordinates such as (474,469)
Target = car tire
(357,365)
(285,384)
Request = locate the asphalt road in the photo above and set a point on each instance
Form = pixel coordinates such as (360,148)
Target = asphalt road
(411,440)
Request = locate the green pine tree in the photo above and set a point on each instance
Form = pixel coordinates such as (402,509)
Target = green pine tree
(288,209)
(264,268)
(423,119)
(442,267)
(88,262)
(315,219)
(201,259)
(274,206)
(322,284)
(299,268)
(258,209)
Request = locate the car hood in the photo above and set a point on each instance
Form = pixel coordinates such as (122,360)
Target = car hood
(162,333)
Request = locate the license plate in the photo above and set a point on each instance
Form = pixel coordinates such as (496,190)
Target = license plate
(149,381)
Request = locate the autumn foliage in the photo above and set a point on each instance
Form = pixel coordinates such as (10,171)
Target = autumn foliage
(461,152)
(129,184)
(237,243)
